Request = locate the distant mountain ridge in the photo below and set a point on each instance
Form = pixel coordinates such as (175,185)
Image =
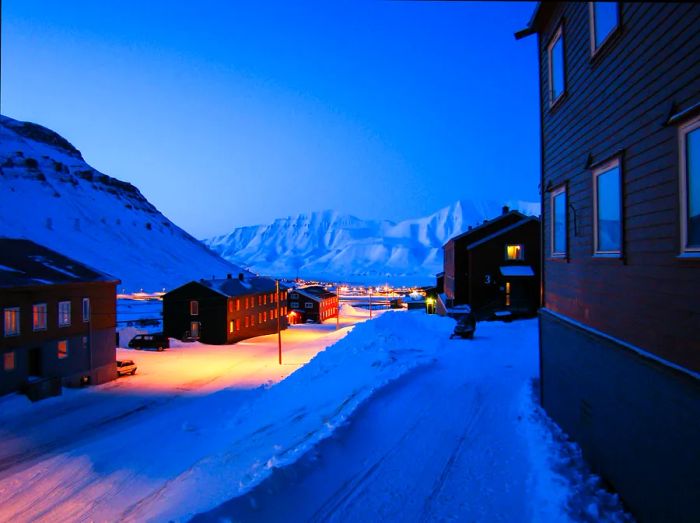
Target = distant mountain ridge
(330,245)
(48,194)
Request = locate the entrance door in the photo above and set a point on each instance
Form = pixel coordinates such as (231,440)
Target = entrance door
(35,361)
(194,329)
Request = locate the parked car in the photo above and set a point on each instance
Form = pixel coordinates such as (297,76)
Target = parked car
(466,326)
(156,341)
(126,367)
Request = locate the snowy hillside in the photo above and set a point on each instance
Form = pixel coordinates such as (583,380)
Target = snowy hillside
(48,194)
(333,246)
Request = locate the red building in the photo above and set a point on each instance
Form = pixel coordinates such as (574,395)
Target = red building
(620,322)
(58,321)
(313,303)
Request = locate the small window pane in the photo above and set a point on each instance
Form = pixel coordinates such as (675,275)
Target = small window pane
(515,252)
(559,223)
(86,309)
(693,187)
(557,65)
(609,212)
(194,308)
(12,321)
(63,313)
(39,317)
(62,349)
(605,20)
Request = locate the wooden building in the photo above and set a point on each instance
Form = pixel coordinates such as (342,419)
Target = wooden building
(59,319)
(494,267)
(312,303)
(223,311)
(620,323)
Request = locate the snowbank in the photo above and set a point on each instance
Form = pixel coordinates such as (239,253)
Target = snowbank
(279,426)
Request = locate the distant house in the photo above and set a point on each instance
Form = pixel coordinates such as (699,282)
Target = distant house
(312,303)
(223,311)
(58,320)
(620,187)
(494,267)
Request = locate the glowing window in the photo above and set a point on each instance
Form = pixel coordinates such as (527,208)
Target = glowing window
(39,317)
(194,308)
(515,252)
(62,349)
(238,304)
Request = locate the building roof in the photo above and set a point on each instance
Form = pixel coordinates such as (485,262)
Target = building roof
(483,230)
(232,287)
(502,231)
(24,263)
(539,16)
(315,292)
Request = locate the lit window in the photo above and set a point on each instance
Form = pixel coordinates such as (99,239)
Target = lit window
(264,299)
(260,300)
(86,309)
(607,225)
(247,321)
(515,252)
(238,304)
(62,349)
(265,316)
(63,313)
(8,361)
(194,308)
(558,222)
(194,329)
(39,317)
(230,326)
(690,186)
(252,320)
(603,20)
(260,317)
(507,294)
(557,78)
(238,324)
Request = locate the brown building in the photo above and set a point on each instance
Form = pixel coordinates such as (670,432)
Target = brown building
(620,323)
(59,319)
(494,268)
(313,303)
(223,311)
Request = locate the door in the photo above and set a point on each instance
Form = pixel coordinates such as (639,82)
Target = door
(194,329)
(35,361)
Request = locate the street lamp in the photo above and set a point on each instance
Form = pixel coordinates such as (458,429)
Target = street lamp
(428,303)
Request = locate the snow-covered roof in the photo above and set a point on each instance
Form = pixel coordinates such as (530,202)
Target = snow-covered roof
(240,287)
(517,270)
(24,263)
(315,292)
(502,231)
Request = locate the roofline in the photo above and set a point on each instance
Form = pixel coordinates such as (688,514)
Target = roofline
(501,232)
(61,284)
(484,224)
(532,25)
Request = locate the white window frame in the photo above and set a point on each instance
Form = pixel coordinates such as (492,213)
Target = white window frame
(294,304)
(683,131)
(86,310)
(556,192)
(62,323)
(36,328)
(602,169)
(591,23)
(194,308)
(559,34)
(14,332)
(308,305)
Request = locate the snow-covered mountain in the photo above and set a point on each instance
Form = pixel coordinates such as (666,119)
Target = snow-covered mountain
(329,245)
(48,194)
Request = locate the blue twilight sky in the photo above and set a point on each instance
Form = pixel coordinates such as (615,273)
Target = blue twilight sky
(230,113)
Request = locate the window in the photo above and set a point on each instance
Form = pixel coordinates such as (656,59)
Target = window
(194,329)
(507,294)
(294,296)
(8,361)
(515,252)
(247,321)
(39,317)
(246,302)
(557,77)
(294,305)
(62,349)
(252,320)
(265,299)
(260,300)
(604,21)
(238,304)
(265,316)
(607,205)
(230,327)
(690,186)
(86,309)
(12,321)
(63,313)
(260,317)
(308,305)
(558,221)
(194,308)
(238,324)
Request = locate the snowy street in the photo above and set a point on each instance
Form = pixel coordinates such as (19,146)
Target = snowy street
(393,422)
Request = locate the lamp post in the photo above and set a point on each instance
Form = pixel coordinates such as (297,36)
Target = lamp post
(279,330)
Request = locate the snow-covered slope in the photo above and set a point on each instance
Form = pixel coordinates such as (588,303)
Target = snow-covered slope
(48,194)
(332,246)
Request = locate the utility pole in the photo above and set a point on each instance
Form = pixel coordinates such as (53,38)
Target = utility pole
(279,330)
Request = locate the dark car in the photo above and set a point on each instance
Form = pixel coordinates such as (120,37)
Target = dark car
(466,326)
(156,341)
(126,367)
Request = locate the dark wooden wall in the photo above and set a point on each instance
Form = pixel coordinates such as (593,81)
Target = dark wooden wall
(619,101)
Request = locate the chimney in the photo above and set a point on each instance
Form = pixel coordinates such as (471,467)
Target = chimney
(228,276)
(240,276)
(506,209)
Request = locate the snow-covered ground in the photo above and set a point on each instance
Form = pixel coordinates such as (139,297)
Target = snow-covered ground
(427,428)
